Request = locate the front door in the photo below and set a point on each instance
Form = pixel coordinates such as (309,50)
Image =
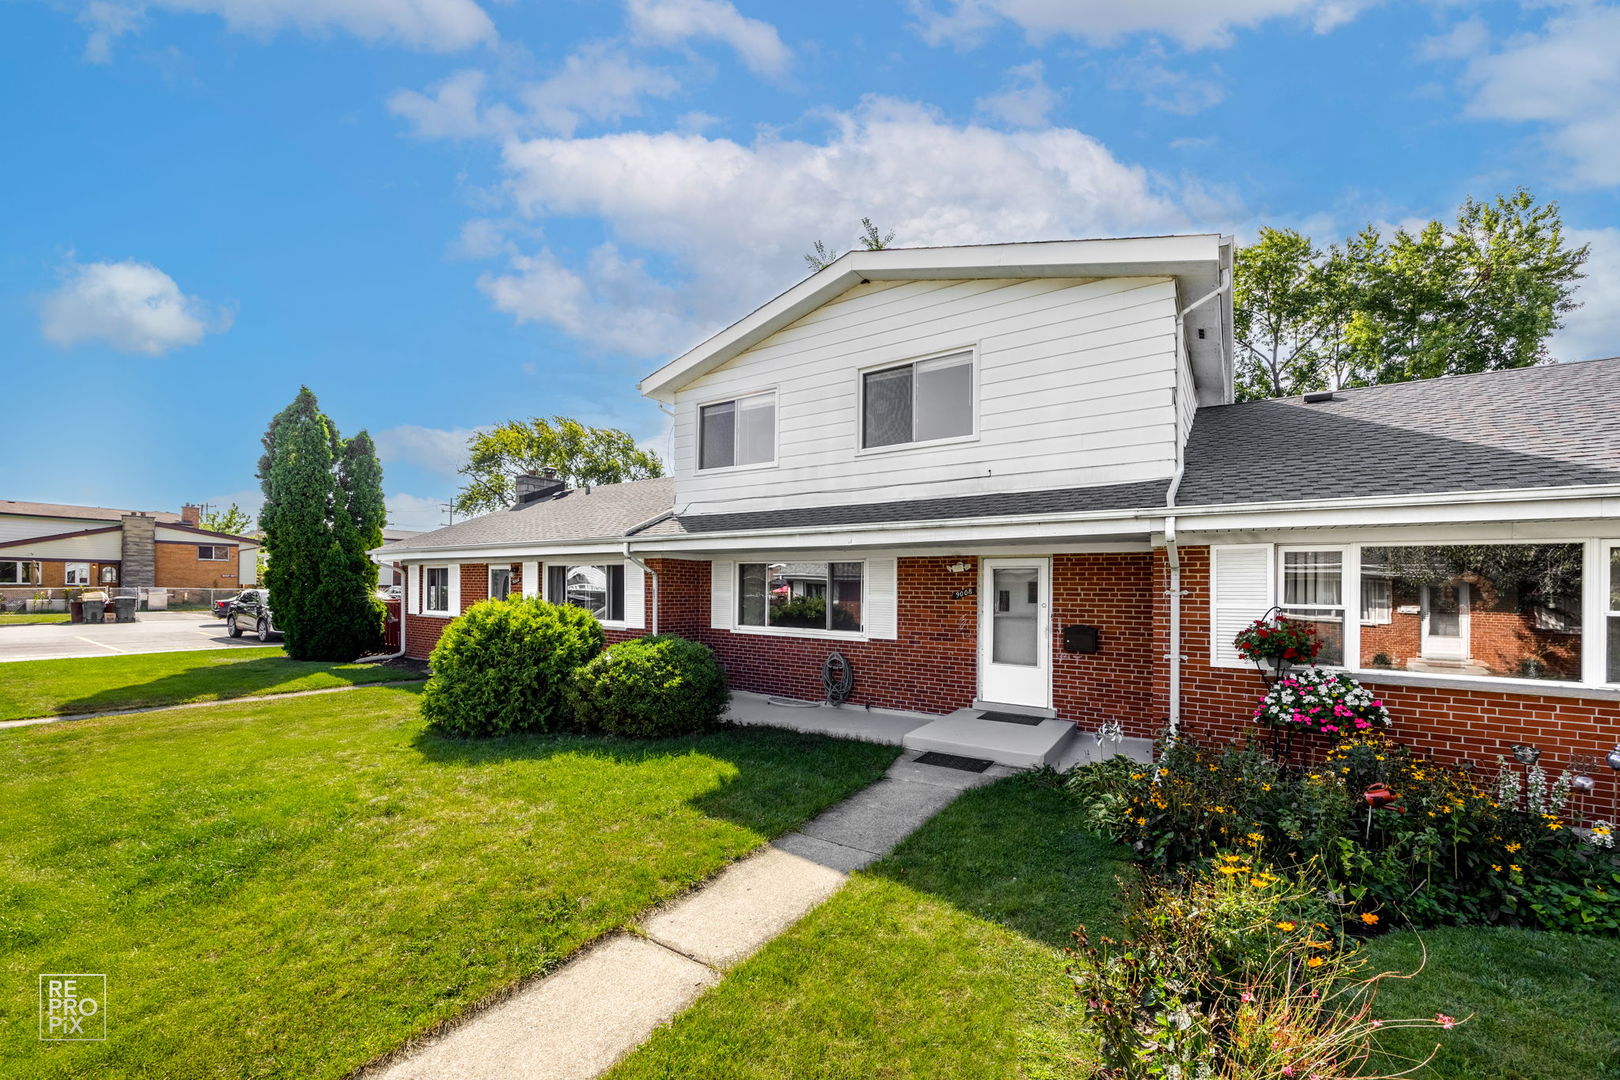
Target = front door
(1015,638)
(1445,621)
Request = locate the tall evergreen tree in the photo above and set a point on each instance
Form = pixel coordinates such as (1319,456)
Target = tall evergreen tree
(322,511)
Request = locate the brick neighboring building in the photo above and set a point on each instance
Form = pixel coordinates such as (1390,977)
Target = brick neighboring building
(1012,478)
(54,546)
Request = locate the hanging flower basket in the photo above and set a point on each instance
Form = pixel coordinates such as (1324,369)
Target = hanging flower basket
(1277,643)
(1322,701)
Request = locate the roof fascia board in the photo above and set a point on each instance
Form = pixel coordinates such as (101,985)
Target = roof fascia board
(28,541)
(1155,256)
(518,552)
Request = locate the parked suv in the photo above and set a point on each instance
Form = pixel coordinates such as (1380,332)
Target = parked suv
(251,611)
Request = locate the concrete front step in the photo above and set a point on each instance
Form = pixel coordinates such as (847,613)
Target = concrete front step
(1020,746)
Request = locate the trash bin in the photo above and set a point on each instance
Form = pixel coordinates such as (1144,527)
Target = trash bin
(95,607)
(126,608)
(75,611)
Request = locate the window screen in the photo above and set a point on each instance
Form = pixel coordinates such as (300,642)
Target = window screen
(741,432)
(931,399)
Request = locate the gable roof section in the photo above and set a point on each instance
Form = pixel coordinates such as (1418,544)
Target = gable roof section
(86,513)
(1557,425)
(1195,261)
(30,541)
(607,512)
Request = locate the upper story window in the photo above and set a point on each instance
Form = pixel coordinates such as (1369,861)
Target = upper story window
(739,432)
(918,402)
(214,552)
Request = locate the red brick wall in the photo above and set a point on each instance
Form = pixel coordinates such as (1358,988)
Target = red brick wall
(1115,594)
(1451,725)
(1500,638)
(931,666)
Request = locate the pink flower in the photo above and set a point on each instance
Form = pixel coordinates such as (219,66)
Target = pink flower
(1377,1023)
(1447,1022)
(1245,996)
(1288,1070)
(1377,704)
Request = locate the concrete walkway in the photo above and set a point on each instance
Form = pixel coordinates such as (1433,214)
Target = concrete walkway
(575,1023)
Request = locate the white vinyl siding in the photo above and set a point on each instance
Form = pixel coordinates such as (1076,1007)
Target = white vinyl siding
(1240,591)
(1073,378)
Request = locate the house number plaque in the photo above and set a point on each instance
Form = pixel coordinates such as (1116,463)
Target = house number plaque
(963,594)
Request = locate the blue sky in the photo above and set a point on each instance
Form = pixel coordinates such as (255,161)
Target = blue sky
(441,214)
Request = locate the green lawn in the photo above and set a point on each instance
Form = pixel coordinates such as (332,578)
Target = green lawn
(1545,1006)
(97,683)
(290,888)
(943,960)
(33,618)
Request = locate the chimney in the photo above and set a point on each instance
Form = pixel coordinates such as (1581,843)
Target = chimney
(191,514)
(139,550)
(531,489)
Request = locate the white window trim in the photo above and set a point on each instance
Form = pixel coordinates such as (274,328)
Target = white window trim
(1347,580)
(20,563)
(440,613)
(1595,583)
(489,581)
(69,570)
(545,584)
(226,548)
(1360,607)
(861,450)
(697,431)
(738,627)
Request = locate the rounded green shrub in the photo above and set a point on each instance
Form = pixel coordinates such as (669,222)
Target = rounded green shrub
(650,688)
(503,667)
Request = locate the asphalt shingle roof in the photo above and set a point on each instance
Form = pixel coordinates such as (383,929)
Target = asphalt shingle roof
(996,504)
(606,512)
(1555,425)
(88,513)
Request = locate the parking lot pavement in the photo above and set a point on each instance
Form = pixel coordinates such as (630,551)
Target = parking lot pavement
(154,631)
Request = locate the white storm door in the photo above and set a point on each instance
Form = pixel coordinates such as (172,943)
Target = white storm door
(1015,638)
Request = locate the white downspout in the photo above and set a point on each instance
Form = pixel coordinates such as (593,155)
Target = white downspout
(652,622)
(1172,550)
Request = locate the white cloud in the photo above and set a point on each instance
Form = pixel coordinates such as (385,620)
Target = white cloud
(107,22)
(131,306)
(1192,23)
(597,83)
(1593,329)
(433,25)
(419,512)
(675,22)
(1465,39)
(731,216)
(1566,78)
(438,450)
(1163,86)
(1024,100)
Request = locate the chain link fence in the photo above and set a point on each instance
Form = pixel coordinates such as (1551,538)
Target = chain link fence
(26,599)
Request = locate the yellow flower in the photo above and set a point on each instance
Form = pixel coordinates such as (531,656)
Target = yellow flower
(1315,961)
(1288,926)
(1515,846)
(1141,821)
(1515,867)
(1497,867)
(1229,870)
(1138,776)
(1320,944)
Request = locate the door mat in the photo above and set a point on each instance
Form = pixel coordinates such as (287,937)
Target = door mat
(1012,718)
(951,761)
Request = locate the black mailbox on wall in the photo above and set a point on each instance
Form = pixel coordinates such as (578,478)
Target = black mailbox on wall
(1080,639)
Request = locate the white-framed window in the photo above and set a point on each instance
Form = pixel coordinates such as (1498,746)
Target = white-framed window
(16,572)
(436,590)
(738,432)
(214,552)
(596,587)
(1312,591)
(500,582)
(76,573)
(918,402)
(804,597)
(1610,554)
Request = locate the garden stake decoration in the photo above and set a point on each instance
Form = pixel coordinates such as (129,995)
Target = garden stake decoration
(1526,755)
(1379,797)
(1612,760)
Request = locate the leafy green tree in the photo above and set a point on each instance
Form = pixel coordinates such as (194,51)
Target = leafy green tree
(322,511)
(233,520)
(1483,293)
(871,238)
(580,454)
